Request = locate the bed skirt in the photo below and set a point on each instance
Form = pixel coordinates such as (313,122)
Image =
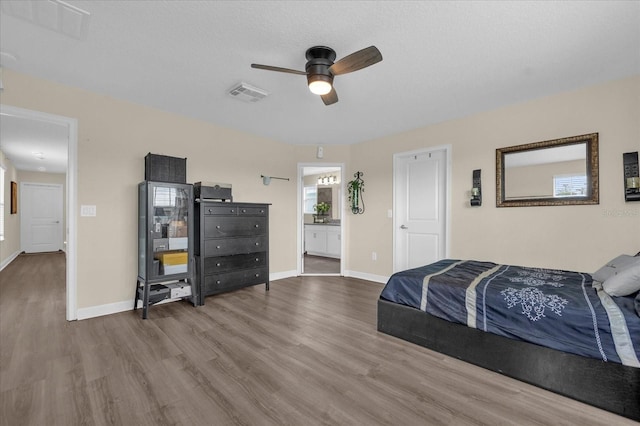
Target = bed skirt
(606,385)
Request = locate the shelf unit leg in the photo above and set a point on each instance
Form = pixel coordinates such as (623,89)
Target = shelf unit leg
(145,300)
(135,299)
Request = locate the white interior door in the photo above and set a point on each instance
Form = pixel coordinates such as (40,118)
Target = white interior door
(420,204)
(41,219)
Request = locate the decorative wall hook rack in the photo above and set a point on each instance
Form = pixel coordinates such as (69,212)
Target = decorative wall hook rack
(356,188)
(266,180)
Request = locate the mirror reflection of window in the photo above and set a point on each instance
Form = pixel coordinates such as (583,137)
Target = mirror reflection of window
(310,199)
(570,186)
(164,196)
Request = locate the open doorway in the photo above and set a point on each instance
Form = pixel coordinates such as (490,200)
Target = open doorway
(320,219)
(31,122)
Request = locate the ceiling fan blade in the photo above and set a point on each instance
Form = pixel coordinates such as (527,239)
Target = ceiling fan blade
(330,98)
(279,69)
(356,61)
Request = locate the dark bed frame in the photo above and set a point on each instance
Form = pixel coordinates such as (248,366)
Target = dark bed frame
(607,385)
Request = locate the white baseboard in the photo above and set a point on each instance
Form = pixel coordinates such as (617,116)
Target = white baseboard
(8,260)
(366,276)
(355,274)
(127,305)
(101,310)
(282,275)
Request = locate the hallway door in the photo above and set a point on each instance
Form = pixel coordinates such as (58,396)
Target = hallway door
(41,218)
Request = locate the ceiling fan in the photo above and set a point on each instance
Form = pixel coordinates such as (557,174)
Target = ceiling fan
(321,69)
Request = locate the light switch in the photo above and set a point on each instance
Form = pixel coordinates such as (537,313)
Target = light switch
(86,210)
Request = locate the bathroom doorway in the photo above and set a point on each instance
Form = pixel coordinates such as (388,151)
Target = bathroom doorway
(321,247)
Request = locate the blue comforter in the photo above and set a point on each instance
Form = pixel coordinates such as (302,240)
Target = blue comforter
(562,310)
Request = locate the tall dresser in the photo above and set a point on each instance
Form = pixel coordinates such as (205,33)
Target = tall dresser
(231,246)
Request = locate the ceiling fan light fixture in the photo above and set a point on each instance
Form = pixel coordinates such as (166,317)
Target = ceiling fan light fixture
(321,68)
(319,84)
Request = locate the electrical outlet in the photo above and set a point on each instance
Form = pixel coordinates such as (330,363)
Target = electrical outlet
(374,255)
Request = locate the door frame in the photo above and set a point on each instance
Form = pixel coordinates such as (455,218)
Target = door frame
(23,190)
(72,196)
(396,223)
(300,215)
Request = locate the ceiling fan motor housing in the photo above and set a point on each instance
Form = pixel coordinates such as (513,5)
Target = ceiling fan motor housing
(320,58)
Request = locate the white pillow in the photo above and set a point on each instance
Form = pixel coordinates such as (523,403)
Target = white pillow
(614,266)
(625,282)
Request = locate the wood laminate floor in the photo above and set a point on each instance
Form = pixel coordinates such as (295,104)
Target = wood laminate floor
(321,265)
(305,353)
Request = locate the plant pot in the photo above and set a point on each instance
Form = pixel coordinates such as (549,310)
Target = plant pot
(319,218)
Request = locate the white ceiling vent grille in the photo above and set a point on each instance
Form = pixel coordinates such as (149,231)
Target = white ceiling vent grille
(247,93)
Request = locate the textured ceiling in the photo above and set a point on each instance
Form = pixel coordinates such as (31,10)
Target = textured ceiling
(442,60)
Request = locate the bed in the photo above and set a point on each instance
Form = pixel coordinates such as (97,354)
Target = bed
(559,330)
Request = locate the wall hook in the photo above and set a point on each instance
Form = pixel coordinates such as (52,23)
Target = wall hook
(266,180)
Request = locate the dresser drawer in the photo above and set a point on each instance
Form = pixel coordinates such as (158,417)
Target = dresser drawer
(225,247)
(236,279)
(220,227)
(252,211)
(234,210)
(222,210)
(216,265)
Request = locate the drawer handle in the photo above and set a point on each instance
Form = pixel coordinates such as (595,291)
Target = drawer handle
(210,210)
(233,210)
(257,275)
(257,244)
(217,226)
(218,264)
(218,282)
(257,226)
(257,259)
(218,247)
(244,210)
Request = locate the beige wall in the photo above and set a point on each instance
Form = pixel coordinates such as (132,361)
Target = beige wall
(569,237)
(114,136)
(11,244)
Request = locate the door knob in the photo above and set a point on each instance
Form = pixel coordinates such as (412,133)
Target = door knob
(404,227)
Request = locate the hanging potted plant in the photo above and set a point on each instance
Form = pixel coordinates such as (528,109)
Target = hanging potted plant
(356,188)
(321,209)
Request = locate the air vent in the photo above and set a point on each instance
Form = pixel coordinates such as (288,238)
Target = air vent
(247,93)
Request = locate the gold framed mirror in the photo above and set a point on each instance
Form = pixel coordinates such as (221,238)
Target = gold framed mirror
(556,172)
